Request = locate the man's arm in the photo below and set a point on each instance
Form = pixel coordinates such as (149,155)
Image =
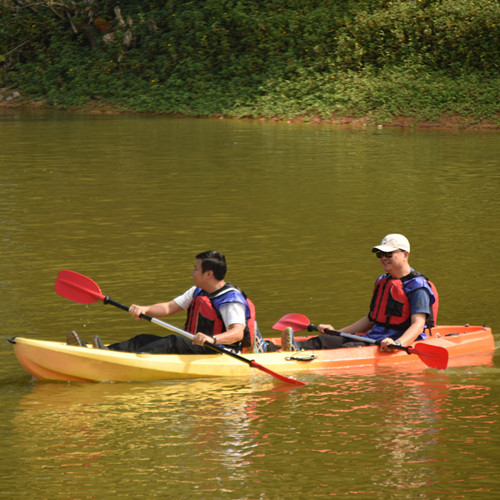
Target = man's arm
(359,327)
(409,336)
(159,310)
(233,334)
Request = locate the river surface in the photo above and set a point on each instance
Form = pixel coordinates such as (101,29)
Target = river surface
(129,201)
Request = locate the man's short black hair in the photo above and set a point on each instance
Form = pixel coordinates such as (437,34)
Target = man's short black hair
(213,261)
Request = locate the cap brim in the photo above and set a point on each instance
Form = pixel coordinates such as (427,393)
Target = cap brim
(384,248)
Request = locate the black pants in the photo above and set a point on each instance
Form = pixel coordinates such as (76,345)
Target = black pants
(172,344)
(325,341)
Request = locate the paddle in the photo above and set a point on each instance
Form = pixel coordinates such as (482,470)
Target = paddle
(81,289)
(433,356)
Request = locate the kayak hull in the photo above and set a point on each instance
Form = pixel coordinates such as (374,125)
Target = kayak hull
(48,360)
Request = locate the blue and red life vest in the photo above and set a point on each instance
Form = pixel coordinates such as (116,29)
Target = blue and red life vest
(390,306)
(203,313)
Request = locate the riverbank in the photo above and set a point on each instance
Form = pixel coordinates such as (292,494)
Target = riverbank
(13,99)
(390,64)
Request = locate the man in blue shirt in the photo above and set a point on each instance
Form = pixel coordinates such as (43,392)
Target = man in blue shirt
(401,306)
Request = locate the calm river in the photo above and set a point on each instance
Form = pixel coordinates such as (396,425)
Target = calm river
(130,200)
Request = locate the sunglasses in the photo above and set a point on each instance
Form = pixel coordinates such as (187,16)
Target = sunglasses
(387,255)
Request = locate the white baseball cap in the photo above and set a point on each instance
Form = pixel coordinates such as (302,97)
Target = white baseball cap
(393,242)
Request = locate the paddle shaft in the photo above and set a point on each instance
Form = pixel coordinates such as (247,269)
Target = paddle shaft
(358,338)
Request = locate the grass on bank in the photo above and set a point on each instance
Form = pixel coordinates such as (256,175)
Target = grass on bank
(376,59)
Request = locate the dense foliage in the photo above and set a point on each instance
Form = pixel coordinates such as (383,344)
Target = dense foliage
(268,58)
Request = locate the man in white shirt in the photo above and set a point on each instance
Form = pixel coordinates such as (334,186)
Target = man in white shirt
(217,313)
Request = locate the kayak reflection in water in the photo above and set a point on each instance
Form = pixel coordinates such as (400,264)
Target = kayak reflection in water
(404,303)
(217,313)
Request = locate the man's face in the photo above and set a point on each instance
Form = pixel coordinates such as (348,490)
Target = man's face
(199,277)
(393,261)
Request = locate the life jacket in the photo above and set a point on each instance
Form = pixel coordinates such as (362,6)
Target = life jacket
(390,306)
(203,313)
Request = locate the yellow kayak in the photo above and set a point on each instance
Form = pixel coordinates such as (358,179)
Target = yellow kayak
(48,360)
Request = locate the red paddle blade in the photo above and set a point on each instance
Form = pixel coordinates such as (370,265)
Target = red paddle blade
(288,380)
(78,288)
(295,321)
(432,355)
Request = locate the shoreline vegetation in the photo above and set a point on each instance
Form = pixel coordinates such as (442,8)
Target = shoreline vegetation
(411,63)
(453,122)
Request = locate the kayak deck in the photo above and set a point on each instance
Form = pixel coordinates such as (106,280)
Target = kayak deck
(49,360)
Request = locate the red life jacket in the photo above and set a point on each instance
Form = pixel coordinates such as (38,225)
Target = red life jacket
(390,305)
(203,316)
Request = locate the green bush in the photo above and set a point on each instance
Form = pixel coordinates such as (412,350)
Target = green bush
(451,35)
(257,57)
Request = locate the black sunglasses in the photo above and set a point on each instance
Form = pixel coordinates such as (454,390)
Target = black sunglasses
(387,255)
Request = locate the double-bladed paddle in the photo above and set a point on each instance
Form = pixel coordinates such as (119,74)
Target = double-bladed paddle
(81,289)
(433,356)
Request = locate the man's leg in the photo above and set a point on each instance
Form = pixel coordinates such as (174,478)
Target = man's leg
(175,344)
(135,344)
(322,341)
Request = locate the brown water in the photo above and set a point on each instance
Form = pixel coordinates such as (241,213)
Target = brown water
(130,200)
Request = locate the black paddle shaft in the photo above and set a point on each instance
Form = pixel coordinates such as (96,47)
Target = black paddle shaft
(108,300)
(358,338)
